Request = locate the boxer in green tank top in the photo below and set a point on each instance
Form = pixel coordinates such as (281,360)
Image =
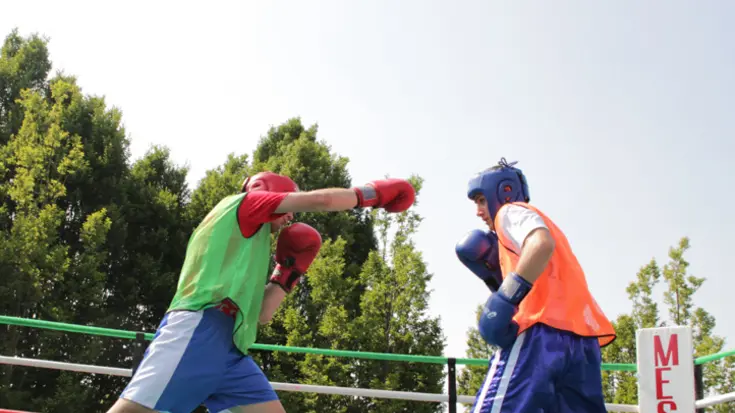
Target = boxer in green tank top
(200,352)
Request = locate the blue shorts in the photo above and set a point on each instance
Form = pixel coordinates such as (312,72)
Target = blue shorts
(546,370)
(192,360)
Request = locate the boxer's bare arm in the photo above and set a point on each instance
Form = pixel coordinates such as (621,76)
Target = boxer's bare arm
(529,237)
(535,254)
(320,200)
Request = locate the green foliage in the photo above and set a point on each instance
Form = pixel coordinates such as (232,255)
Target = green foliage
(394,316)
(24,65)
(357,295)
(90,237)
(86,237)
(680,302)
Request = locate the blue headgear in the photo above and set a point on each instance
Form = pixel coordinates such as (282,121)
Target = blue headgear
(500,184)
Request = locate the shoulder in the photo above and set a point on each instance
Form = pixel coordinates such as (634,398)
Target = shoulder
(263,197)
(514,223)
(513,215)
(257,208)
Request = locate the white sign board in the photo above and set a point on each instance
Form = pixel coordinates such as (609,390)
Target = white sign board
(665,370)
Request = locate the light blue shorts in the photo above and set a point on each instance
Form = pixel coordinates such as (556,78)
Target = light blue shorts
(191,361)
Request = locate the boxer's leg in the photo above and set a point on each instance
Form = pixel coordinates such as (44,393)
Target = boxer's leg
(523,377)
(580,387)
(243,389)
(183,364)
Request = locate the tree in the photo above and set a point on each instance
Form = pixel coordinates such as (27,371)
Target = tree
(621,387)
(348,237)
(334,306)
(45,277)
(24,65)
(394,318)
(679,296)
(87,238)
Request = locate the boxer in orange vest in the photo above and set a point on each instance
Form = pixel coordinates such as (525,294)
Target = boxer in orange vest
(540,315)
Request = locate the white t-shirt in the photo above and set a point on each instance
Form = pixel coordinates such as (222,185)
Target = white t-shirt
(516,222)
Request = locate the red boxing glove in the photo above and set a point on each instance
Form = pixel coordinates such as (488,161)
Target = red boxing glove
(297,246)
(395,195)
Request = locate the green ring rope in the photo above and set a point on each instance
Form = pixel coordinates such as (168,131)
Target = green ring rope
(111,332)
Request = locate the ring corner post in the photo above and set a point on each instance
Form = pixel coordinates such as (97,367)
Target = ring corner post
(138,350)
(452,373)
(699,385)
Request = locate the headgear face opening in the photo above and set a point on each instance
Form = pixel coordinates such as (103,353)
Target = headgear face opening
(269,181)
(499,185)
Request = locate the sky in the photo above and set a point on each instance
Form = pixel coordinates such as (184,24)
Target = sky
(616,112)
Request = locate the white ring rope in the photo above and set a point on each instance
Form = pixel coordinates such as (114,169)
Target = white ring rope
(57,365)
(344,391)
(711,401)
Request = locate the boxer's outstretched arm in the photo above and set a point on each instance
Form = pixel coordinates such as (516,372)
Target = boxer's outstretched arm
(329,199)
(394,195)
(535,254)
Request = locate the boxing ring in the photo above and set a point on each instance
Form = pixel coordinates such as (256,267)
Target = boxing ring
(661,351)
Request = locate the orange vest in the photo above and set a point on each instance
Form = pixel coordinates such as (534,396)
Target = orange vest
(560,297)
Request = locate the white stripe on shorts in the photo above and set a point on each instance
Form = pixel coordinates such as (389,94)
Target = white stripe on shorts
(510,365)
(164,355)
(488,380)
(507,373)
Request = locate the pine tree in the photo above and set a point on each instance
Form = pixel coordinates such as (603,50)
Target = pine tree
(679,296)
(394,317)
(622,386)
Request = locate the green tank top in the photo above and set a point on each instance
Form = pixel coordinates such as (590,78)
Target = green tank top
(221,263)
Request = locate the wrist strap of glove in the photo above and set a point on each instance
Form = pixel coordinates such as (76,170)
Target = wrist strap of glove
(286,278)
(514,288)
(367,196)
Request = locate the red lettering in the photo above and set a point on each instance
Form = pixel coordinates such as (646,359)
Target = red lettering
(671,407)
(672,350)
(660,383)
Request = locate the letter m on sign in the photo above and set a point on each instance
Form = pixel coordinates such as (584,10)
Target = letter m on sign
(664,359)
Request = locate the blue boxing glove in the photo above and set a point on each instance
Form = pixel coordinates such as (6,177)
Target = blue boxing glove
(478,251)
(496,323)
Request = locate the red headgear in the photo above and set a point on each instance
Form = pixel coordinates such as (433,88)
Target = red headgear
(269,181)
